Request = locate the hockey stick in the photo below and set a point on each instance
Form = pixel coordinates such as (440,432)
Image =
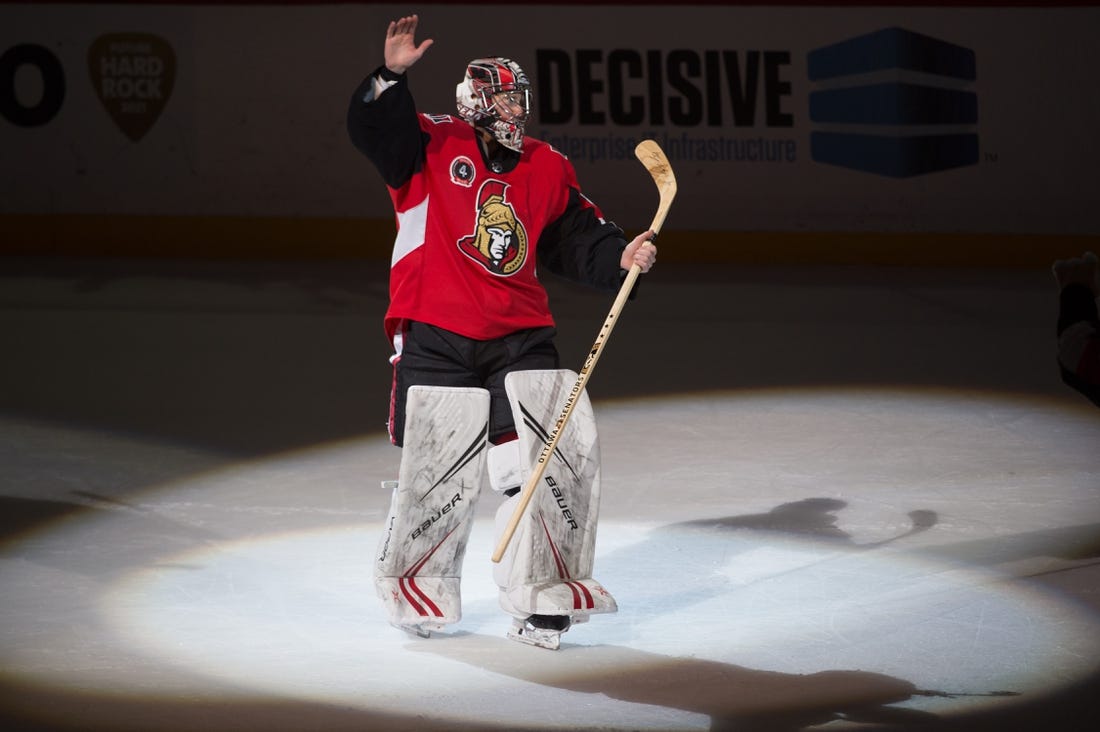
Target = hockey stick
(653,158)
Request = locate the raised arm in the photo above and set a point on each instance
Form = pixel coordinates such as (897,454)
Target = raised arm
(381,120)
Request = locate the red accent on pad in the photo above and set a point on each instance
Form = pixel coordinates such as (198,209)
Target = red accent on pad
(409,587)
(422,595)
(563,571)
(409,598)
(582,598)
(589,602)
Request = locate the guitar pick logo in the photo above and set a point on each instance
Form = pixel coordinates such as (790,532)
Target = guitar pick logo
(133,74)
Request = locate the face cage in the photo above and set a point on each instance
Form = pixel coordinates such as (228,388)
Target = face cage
(490,105)
(507,132)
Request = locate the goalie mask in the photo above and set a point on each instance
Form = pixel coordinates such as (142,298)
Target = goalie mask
(495,95)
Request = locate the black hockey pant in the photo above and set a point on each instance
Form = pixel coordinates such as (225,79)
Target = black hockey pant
(431,356)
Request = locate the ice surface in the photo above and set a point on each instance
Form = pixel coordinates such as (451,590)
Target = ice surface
(831,498)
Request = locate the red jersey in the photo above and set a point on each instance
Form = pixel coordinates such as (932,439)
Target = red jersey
(465,254)
(469,238)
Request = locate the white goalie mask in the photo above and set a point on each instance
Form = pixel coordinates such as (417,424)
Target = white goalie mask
(495,95)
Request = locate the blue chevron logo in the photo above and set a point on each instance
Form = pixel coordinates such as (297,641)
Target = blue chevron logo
(893,103)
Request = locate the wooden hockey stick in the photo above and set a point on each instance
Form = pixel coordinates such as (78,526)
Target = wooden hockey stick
(653,158)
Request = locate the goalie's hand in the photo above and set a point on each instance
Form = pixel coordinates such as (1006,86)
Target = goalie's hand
(642,252)
(401,50)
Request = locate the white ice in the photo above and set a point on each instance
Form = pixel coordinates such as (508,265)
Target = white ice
(832,498)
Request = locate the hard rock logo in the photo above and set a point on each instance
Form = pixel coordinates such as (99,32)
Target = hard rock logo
(133,75)
(499,242)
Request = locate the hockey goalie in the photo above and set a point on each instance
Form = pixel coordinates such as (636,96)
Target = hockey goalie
(482,210)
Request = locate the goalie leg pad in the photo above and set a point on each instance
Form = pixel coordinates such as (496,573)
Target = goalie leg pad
(547,568)
(504,468)
(418,565)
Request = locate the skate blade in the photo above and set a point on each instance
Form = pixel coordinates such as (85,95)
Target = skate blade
(548,639)
(420,631)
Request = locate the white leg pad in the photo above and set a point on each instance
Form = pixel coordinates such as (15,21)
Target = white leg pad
(547,568)
(504,466)
(418,565)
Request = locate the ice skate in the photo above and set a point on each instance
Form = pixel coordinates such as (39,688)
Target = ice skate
(543,631)
(420,630)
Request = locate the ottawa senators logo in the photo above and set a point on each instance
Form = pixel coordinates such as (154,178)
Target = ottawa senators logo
(499,242)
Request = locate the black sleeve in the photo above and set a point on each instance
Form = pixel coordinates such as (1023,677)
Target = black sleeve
(386,129)
(578,247)
(1077,304)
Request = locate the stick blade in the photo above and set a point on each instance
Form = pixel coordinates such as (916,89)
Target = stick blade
(650,154)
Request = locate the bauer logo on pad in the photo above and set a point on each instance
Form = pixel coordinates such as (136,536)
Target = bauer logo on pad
(133,74)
